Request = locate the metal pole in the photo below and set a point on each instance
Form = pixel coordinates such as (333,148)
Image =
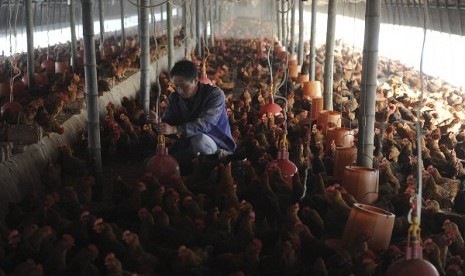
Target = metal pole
(283,24)
(278,22)
(72,20)
(186,31)
(205,24)
(145,54)
(300,53)
(123,32)
(212,37)
(368,86)
(102,21)
(169,27)
(197,28)
(30,44)
(329,56)
(292,48)
(313,42)
(220,18)
(90,69)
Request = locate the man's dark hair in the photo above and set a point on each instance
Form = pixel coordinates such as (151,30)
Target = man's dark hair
(185,69)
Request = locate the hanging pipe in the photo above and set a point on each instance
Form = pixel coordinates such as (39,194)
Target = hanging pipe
(292,46)
(72,20)
(368,87)
(313,42)
(90,71)
(212,37)
(102,21)
(300,53)
(145,55)
(123,32)
(197,29)
(30,44)
(283,24)
(329,56)
(169,29)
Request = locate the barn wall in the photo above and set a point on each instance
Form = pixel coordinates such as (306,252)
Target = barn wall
(20,175)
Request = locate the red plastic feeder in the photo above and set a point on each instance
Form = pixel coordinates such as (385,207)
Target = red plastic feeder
(163,165)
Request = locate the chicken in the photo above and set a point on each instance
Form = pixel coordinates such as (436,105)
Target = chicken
(107,241)
(71,165)
(226,196)
(247,261)
(189,259)
(388,181)
(444,240)
(83,262)
(56,261)
(137,259)
(337,214)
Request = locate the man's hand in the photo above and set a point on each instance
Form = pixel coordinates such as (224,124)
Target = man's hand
(166,129)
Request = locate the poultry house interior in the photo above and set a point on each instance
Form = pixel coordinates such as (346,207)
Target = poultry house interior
(66,212)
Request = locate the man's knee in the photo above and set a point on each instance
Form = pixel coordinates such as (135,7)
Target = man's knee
(203,144)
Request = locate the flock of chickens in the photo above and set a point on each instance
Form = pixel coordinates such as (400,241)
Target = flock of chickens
(240,218)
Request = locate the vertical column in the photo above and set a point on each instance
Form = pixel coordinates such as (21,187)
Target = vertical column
(329,56)
(72,20)
(90,69)
(123,32)
(144,55)
(292,48)
(30,43)
(368,86)
(102,21)
(300,53)
(197,27)
(313,42)
(169,29)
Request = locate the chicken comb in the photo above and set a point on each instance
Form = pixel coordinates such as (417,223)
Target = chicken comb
(98,221)
(186,199)
(126,233)
(92,247)
(13,233)
(157,209)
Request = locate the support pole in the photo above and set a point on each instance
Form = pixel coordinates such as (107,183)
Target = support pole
(283,24)
(169,30)
(186,31)
(368,86)
(292,46)
(197,28)
(123,32)
(278,22)
(300,53)
(145,54)
(205,23)
(313,42)
(90,69)
(30,44)
(220,17)
(212,37)
(72,20)
(102,21)
(329,56)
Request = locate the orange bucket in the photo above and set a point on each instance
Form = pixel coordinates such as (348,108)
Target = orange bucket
(312,89)
(362,183)
(294,71)
(344,156)
(329,119)
(317,106)
(301,78)
(374,221)
(343,137)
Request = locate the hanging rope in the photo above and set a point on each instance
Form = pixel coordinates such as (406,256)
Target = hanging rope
(420,105)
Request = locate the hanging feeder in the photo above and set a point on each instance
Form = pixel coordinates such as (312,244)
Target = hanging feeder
(362,183)
(413,263)
(301,78)
(287,167)
(163,165)
(48,64)
(328,119)
(344,156)
(342,137)
(10,110)
(311,89)
(317,106)
(294,70)
(271,107)
(375,222)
